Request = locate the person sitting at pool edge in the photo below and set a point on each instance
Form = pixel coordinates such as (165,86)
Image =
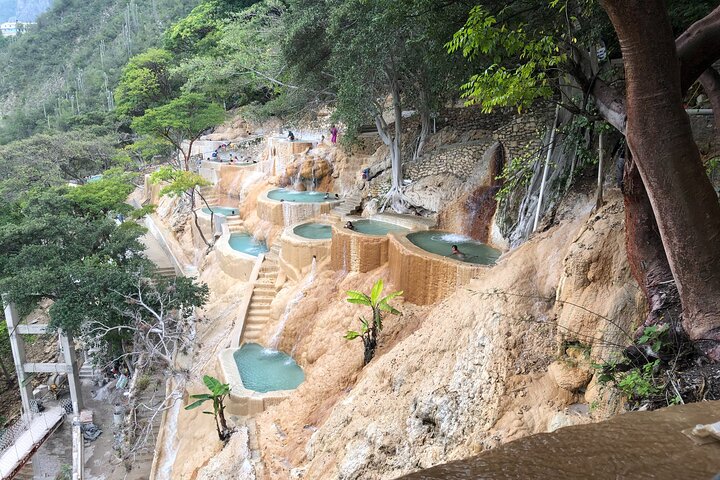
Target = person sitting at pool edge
(457,252)
(349,225)
(327,195)
(291,136)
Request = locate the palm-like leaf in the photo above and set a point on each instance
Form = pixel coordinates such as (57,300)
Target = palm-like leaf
(212,383)
(376,292)
(195,404)
(358,297)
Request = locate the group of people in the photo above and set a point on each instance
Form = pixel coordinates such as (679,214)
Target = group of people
(333,135)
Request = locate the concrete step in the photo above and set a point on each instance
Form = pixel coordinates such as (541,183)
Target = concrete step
(265,287)
(263,297)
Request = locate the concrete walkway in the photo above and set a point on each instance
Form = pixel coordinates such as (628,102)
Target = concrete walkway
(40,428)
(154,252)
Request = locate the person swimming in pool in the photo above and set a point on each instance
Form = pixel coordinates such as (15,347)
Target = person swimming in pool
(457,253)
(327,195)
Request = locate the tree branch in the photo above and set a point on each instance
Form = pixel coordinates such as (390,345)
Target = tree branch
(698,48)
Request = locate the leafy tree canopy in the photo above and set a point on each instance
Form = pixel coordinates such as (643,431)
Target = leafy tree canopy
(184,118)
(145,83)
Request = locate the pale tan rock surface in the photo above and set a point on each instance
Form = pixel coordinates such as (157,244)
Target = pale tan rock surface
(451,380)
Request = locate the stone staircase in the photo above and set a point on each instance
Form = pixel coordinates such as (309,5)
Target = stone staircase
(211,197)
(349,205)
(86,371)
(166,272)
(258,312)
(234,223)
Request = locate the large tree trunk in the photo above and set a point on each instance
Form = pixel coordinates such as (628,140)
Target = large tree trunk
(645,251)
(698,48)
(394,197)
(659,136)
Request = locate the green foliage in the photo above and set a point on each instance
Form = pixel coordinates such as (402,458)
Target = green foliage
(370,329)
(244,60)
(72,61)
(638,384)
(355,50)
(184,118)
(103,196)
(145,83)
(218,392)
(62,244)
(179,182)
(51,159)
(198,31)
(641,382)
(504,83)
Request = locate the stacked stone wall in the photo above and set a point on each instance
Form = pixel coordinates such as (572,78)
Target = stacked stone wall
(472,118)
(459,160)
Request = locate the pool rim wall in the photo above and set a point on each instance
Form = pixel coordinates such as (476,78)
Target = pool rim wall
(236,264)
(272,211)
(452,273)
(294,259)
(243,401)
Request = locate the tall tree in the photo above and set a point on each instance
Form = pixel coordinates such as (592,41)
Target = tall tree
(675,193)
(184,118)
(659,135)
(146,82)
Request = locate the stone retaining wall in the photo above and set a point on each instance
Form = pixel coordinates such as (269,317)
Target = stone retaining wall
(355,252)
(459,161)
(297,253)
(472,118)
(426,278)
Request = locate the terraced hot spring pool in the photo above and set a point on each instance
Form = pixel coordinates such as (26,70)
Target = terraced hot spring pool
(314,231)
(264,370)
(245,243)
(225,211)
(440,243)
(288,195)
(376,228)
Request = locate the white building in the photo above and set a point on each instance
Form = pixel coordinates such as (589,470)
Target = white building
(10,29)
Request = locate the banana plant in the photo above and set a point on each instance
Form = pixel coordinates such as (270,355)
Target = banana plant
(218,392)
(369,330)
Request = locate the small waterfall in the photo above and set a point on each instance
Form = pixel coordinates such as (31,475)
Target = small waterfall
(250,179)
(314,180)
(170,440)
(297,180)
(275,340)
(262,231)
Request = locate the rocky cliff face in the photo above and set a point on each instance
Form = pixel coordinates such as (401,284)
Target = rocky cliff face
(29,10)
(504,358)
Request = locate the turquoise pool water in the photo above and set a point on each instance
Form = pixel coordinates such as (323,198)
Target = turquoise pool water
(374,227)
(94,178)
(314,231)
(440,243)
(242,242)
(299,197)
(263,370)
(225,211)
